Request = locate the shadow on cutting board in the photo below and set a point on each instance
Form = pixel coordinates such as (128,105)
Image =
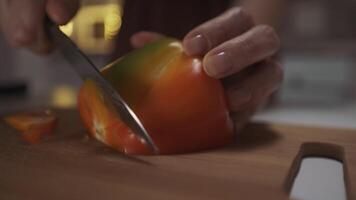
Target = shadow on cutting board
(255,135)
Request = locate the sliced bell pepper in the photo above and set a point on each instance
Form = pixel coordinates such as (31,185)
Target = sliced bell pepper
(182,108)
(33,125)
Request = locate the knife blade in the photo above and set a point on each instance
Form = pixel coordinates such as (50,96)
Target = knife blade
(87,70)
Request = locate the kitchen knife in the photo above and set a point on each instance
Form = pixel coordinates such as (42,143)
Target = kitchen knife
(87,70)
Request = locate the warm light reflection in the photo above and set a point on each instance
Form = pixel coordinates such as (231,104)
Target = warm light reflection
(112,22)
(67,29)
(95,26)
(64,96)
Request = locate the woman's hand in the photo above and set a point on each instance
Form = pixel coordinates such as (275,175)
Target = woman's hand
(22,21)
(239,53)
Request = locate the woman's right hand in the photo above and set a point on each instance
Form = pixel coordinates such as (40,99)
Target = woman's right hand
(22,21)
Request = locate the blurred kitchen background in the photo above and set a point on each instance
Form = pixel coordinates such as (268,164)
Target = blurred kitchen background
(33,80)
(319,56)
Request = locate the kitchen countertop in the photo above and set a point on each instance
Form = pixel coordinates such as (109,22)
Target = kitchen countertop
(339,116)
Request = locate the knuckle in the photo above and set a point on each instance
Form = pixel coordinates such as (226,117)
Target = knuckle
(240,16)
(271,35)
(268,30)
(22,36)
(243,15)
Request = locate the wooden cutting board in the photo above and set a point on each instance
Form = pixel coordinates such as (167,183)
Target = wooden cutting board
(260,165)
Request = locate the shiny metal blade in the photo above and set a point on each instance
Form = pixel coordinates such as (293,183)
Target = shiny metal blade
(87,70)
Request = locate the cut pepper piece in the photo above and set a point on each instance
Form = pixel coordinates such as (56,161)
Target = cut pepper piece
(33,125)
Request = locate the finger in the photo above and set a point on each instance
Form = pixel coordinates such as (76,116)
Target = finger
(62,11)
(22,20)
(234,55)
(241,118)
(214,32)
(142,38)
(255,88)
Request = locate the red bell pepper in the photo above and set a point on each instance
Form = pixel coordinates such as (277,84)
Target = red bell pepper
(182,108)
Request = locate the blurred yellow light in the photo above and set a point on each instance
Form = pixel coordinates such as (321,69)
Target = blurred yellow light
(109,16)
(67,29)
(64,97)
(112,24)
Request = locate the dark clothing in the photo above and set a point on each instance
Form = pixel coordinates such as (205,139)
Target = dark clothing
(174,18)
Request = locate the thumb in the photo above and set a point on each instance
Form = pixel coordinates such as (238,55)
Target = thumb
(142,38)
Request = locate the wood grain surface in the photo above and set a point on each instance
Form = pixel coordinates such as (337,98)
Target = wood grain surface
(260,165)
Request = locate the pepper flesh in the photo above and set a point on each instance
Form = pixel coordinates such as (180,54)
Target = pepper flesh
(33,125)
(182,108)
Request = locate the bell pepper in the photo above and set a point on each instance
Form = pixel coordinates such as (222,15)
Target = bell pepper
(182,108)
(33,125)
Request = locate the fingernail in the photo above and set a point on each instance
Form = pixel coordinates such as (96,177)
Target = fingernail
(239,97)
(218,65)
(195,45)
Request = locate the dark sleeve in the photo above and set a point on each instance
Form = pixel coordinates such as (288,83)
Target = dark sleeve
(173,18)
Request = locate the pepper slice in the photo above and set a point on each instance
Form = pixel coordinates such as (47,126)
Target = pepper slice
(33,125)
